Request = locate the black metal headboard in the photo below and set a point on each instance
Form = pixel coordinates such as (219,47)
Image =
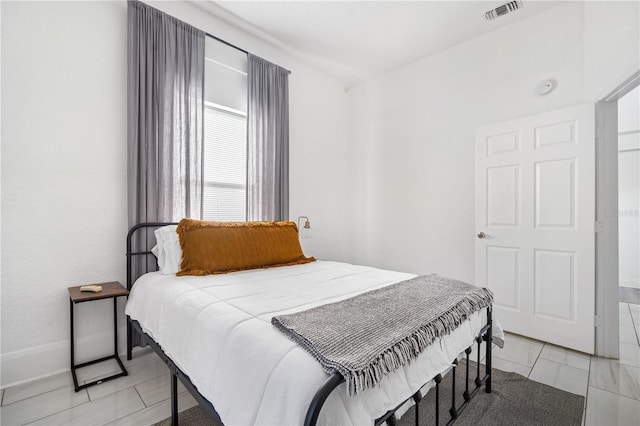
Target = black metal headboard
(131,253)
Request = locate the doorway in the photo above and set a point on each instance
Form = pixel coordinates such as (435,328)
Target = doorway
(617,164)
(629,197)
(629,217)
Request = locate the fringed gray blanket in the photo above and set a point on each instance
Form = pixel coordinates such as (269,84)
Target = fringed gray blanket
(366,337)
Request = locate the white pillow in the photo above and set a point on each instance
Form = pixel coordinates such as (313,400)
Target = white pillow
(167,249)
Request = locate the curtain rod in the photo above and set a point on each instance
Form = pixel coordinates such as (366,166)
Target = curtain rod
(227,43)
(231,45)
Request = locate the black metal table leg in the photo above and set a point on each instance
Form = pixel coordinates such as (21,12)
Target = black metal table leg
(115,337)
(73,349)
(115,326)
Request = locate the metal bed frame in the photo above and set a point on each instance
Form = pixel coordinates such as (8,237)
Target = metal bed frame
(332,382)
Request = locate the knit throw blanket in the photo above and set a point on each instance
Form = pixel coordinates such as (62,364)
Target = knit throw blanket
(368,336)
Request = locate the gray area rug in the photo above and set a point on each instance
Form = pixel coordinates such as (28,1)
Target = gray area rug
(514,400)
(629,295)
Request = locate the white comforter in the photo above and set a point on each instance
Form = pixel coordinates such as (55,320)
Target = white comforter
(218,330)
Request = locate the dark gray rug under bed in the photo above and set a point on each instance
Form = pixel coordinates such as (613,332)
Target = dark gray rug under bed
(514,400)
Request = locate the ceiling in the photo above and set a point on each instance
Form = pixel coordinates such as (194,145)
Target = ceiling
(356,40)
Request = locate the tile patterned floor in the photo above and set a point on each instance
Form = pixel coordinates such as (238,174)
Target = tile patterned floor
(611,387)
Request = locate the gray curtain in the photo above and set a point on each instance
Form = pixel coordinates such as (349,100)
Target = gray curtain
(165,116)
(268,141)
(165,123)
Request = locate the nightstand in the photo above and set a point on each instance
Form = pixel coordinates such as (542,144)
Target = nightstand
(111,290)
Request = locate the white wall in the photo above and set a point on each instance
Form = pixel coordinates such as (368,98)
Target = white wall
(64,169)
(414,127)
(629,188)
(63,177)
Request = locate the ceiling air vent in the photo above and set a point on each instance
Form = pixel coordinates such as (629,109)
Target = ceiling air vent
(499,11)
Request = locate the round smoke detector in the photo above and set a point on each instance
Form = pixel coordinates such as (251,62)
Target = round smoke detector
(545,86)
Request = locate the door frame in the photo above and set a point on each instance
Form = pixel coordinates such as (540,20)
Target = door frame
(607,309)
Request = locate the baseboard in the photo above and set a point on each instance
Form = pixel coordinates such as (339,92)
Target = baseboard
(41,361)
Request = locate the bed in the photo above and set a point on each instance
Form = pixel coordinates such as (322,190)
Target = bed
(215,334)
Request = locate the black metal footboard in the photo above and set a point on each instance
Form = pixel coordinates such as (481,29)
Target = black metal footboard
(390,418)
(332,382)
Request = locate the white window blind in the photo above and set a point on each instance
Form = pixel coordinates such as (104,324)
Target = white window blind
(225,164)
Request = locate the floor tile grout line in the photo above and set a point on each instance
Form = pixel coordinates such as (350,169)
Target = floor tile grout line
(126,415)
(153,378)
(614,393)
(50,390)
(633,323)
(508,360)
(536,361)
(76,406)
(35,394)
(134,412)
(146,407)
(635,327)
(129,376)
(586,396)
(54,413)
(140,396)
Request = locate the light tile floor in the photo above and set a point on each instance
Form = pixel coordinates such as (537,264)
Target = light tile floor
(611,387)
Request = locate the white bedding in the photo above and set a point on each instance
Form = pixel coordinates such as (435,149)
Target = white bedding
(217,329)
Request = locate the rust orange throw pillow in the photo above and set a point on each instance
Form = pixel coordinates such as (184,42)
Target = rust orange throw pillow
(221,247)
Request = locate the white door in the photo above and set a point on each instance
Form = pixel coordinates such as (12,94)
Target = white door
(535,217)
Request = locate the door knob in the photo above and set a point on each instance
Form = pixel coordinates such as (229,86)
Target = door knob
(482,235)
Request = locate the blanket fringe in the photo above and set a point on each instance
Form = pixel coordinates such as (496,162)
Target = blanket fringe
(408,349)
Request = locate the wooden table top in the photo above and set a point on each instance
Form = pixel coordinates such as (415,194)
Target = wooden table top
(110,289)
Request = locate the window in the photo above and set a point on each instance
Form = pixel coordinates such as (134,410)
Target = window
(225,164)
(225,133)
